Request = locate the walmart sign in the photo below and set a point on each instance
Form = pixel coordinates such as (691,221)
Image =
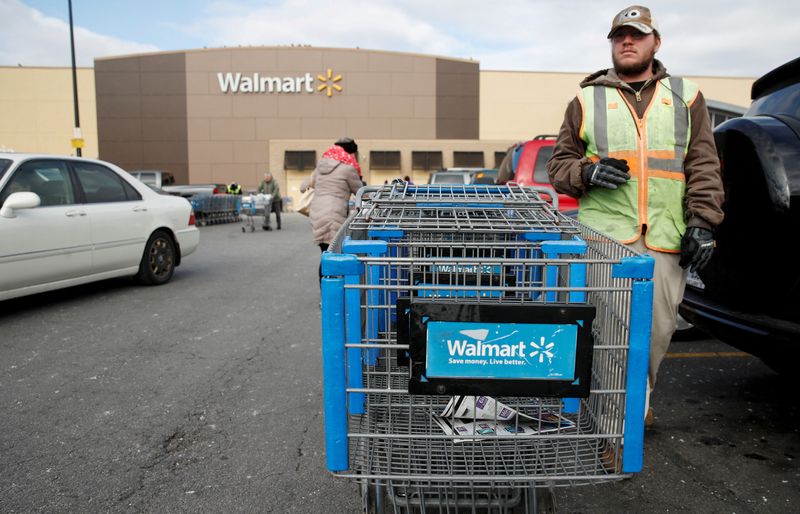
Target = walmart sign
(501,350)
(256,83)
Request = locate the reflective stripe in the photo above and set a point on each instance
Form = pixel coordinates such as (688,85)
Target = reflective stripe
(681,117)
(665,164)
(600,122)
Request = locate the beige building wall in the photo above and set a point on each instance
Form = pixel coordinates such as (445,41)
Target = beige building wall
(141,113)
(290,180)
(520,105)
(37,110)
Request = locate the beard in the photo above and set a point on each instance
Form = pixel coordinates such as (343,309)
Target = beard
(634,68)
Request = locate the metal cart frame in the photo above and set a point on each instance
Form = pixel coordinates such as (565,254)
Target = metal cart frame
(475,249)
(252,206)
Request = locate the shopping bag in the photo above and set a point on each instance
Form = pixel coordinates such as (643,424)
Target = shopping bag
(304,205)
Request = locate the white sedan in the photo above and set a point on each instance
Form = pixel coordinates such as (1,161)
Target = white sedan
(66,221)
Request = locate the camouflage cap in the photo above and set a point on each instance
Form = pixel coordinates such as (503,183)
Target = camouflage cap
(636,16)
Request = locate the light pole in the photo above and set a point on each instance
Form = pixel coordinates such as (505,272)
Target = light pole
(77,140)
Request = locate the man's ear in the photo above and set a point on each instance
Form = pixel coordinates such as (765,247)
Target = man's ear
(658,43)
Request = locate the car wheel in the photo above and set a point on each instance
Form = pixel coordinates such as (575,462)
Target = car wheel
(158,261)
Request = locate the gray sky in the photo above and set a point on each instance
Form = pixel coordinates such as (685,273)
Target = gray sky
(721,38)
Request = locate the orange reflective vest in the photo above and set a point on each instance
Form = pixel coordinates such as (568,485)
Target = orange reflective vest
(655,147)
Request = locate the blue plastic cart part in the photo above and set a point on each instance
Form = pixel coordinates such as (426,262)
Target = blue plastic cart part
(376,322)
(640,269)
(542,236)
(355,379)
(634,267)
(636,384)
(364,247)
(334,376)
(337,265)
(555,249)
(386,233)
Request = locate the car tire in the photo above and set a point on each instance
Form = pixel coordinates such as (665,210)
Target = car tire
(158,260)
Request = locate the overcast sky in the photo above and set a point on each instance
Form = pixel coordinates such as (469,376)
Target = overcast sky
(739,38)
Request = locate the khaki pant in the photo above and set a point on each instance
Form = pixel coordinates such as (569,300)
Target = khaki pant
(669,281)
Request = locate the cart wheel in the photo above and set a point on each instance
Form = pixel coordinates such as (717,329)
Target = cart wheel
(243,230)
(252,228)
(374,499)
(537,500)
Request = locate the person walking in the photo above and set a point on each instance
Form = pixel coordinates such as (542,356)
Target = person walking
(335,178)
(269,186)
(636,147)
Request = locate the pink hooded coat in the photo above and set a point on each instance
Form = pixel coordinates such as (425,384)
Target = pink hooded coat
(333,181)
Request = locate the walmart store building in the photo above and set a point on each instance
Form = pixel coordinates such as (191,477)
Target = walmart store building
(230,114)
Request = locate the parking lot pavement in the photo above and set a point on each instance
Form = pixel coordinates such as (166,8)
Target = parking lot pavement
(204,395)
(726,439)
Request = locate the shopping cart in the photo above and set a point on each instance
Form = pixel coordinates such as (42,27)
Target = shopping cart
(480,348)
(212,209)
(252,206)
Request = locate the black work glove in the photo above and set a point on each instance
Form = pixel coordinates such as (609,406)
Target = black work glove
(608,172)
(697,245)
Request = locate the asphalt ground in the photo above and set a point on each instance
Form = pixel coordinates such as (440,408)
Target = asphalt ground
(205,395)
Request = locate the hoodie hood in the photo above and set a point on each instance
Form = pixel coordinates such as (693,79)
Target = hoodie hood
(609,77)
(326,165)
(334,156)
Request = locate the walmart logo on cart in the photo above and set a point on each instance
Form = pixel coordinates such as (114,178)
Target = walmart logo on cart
(477,346)
(501,350)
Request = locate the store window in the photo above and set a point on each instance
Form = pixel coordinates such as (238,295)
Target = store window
(384,160)
(468,159)
(426,161)
(498,158)
(299,160)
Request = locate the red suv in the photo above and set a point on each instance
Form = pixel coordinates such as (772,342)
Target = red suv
(530,167)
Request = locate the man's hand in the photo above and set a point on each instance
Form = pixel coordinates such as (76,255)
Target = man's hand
(608,173)
(697,245)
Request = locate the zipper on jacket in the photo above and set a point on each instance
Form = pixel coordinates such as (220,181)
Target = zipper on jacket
(641,128)
(638,94)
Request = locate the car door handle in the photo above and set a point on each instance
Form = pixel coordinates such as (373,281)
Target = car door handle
(139,209)
(73,213)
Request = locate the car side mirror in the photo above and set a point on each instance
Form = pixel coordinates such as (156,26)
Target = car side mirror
(19,201)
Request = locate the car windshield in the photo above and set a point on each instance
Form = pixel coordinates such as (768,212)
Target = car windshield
(4,165)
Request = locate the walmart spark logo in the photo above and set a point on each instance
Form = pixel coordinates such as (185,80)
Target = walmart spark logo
(329,83)
(542,350)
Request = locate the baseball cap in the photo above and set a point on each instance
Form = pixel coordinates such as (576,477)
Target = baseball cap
(636,16)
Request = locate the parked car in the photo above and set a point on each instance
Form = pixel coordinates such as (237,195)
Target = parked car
(154,178)
(529,164)
(66,221)
(483,176)
(190,190)
(458,176)
(749,294)
(164,182)
(463,176)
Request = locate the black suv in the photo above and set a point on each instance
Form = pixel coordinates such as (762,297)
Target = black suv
(749,296)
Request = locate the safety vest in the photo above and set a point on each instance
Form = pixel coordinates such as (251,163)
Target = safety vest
(234,189)
(655,147)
